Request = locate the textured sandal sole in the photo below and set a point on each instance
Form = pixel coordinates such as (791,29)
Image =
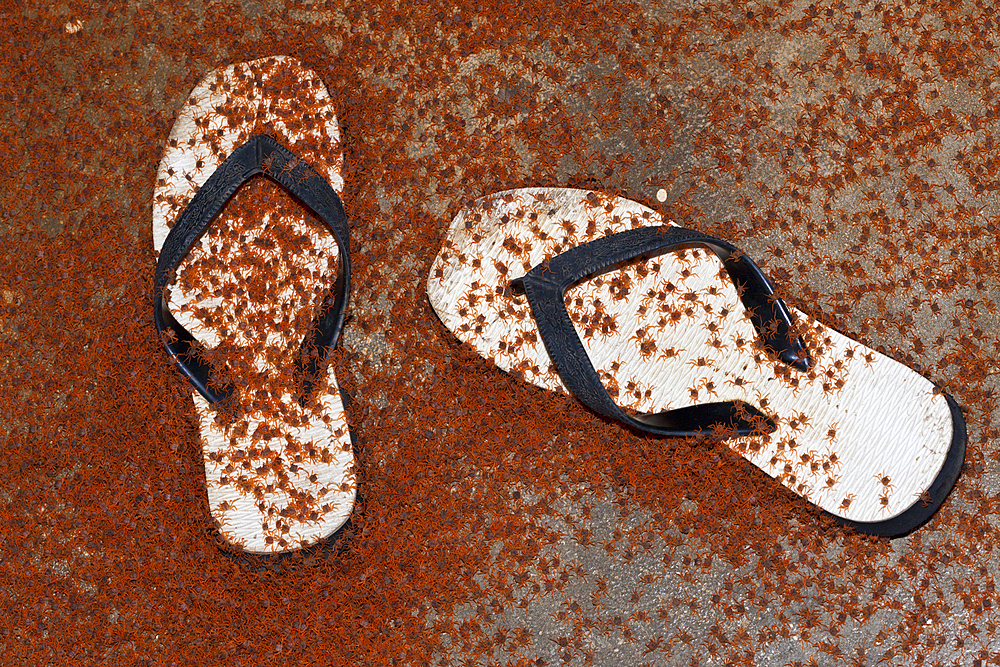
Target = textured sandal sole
(860,435)
(295,484)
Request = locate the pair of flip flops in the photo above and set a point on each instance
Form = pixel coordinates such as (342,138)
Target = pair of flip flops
(664,329)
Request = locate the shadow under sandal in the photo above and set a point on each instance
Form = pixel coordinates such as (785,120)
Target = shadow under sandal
(251,290)
(677,333)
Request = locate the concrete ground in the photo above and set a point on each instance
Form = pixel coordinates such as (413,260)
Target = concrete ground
(849,147)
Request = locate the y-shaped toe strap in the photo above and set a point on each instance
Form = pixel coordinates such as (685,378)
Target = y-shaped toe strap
(546,284)
(261,154)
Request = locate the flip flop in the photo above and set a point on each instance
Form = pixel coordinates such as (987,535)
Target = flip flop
(674,332)
(250,297)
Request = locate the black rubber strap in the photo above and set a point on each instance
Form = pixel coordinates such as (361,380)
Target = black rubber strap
(261,154)
(546,284)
